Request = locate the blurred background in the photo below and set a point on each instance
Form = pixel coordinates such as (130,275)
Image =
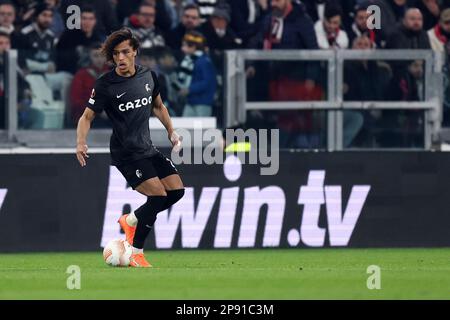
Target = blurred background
(314,69)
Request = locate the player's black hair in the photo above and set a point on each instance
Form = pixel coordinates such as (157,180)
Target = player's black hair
(117,37)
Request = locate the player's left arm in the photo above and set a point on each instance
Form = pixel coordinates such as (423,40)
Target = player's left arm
(160,111)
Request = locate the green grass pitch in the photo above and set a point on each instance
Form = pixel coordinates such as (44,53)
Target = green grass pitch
(233,274)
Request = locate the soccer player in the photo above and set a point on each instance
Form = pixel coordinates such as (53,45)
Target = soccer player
(128,94)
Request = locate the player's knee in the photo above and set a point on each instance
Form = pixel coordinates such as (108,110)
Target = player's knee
(158,191)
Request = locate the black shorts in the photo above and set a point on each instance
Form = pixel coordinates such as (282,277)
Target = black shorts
(138,171)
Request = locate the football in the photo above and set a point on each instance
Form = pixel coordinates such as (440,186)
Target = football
(117,253)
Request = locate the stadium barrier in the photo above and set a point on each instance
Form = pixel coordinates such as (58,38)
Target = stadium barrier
(236,83)
(341,199)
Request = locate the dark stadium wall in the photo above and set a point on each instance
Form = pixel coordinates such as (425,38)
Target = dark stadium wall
(341,199)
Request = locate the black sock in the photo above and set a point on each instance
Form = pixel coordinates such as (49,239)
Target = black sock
(172,197)
(146,215)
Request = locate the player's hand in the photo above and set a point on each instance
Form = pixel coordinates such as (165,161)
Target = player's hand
(82,154)
(175,139)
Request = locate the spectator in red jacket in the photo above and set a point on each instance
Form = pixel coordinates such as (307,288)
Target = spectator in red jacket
(82,85)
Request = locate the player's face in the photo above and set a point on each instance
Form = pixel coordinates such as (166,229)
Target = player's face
(124,57)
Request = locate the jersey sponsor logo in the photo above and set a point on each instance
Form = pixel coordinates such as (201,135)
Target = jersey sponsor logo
(120,95)
(135,104)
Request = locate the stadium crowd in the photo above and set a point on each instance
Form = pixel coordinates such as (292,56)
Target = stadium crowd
(185,40)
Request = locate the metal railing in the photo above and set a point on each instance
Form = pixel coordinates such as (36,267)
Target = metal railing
(236,104)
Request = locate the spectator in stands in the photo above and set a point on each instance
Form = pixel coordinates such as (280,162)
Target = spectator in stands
(359,25)
(202,88)
(207,7)
(82,85)
(166,66)
(316,9)
(364,80)
(446,75)
(328,31)
(247,16)
(190,20)
(36,53)
(410,85)
(106,17)
(58,24)
(28,117)
(392,12)
(218,32)
(287,27)
(127,9)
(73,44)
(439,35)
(7,20)
(148,35)
(147,58)
(410,34)
(430,11)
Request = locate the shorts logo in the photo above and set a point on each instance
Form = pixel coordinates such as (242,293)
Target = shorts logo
(139,173)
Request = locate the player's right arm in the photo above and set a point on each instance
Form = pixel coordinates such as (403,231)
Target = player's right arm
(84,124)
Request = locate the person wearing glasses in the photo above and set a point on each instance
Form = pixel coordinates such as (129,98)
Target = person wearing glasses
(144,28)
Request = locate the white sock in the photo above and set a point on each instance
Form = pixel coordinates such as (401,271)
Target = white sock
(132,220)
(137,251)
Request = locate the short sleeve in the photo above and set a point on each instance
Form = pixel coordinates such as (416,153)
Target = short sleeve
(156,88)
(99,98)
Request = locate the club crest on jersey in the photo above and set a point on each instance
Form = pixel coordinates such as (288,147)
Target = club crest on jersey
(91,99)
(135,104)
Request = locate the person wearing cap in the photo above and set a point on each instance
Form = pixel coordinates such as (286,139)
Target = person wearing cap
(440,34)
(202,85)
(218,32)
